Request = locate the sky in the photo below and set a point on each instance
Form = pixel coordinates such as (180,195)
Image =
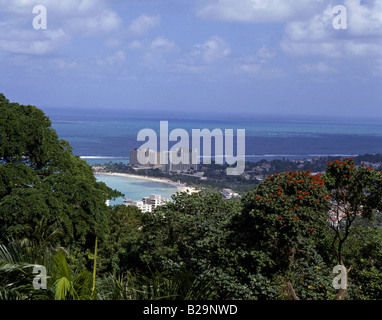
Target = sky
(274,57)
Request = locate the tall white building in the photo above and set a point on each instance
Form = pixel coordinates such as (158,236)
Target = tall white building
(179,160)
(153,158)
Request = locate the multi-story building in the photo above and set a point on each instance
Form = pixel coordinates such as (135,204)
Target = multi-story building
(140,205)
(148,204)
(154,200)
(153,156)
(179,160)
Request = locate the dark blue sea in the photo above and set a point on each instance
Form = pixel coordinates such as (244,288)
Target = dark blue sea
(103,136)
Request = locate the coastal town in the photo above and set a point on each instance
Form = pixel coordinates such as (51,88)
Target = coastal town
(188,177)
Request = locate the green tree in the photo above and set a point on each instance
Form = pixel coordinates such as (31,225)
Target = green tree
(192,233)
(280,223)
(355,193)
(119,251)
(41,180)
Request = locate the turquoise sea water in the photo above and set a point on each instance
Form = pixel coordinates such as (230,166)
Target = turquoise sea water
(135,189)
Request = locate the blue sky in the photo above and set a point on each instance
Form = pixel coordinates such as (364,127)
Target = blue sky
(278,57)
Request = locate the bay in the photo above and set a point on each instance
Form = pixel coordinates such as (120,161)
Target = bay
(135,188)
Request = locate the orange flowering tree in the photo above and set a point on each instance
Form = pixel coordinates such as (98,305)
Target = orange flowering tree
(355,193)
(280,216)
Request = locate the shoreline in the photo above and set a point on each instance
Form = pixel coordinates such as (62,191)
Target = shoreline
(179,187)
(129,175)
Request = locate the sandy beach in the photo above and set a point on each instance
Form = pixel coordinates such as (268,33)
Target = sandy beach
(180,187)
(128,175)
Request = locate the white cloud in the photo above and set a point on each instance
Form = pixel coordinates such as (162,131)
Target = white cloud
(63,64)
(66,19)
(119,56)
(309,28)
(104,21)
(364,20)
(257,10)
(114,59)
(256,70)
(265,54)
(316,36)
(32,42)
(161,43)
(252,69)
(320,67)
(63,7)
(213,50)
(189,69)
(143,24)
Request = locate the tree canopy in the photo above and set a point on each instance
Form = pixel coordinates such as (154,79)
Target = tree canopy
(42,182)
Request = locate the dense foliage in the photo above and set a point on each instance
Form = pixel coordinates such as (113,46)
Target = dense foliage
(44,187)
(280,241)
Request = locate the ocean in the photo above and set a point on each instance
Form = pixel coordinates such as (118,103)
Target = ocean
(103,136)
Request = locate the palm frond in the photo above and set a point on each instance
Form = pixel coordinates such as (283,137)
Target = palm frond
(63,286)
